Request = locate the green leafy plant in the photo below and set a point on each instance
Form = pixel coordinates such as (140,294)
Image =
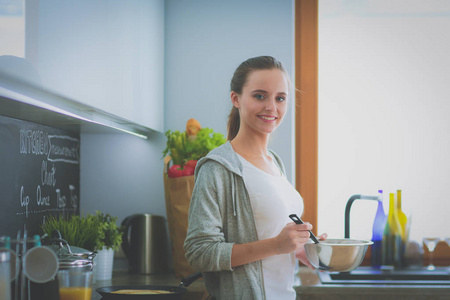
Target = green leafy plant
(176,146)
(90,232)
(206,140)
(109,234)
(77,231)
(182,149)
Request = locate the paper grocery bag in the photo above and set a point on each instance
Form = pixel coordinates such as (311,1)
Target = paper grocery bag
(178,192)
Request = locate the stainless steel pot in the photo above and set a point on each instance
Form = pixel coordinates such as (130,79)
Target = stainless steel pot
(146,244)
(69,258)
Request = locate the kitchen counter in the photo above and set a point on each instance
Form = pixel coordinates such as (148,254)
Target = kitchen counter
(312,288)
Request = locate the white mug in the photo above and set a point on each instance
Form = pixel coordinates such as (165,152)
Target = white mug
(40,264)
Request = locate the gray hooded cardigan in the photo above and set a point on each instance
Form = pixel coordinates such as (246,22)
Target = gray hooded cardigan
(221,215)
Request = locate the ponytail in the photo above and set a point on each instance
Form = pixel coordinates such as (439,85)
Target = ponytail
(234,123)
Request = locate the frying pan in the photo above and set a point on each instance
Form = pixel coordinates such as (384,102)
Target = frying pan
(177,291)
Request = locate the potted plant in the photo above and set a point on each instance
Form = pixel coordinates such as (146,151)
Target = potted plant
(109,238)
(76,230)
(109,235)
(98,233)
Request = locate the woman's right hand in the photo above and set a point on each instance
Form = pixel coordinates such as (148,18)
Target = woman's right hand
(292,236)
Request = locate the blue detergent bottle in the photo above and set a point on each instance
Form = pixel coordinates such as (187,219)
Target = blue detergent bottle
(377,233)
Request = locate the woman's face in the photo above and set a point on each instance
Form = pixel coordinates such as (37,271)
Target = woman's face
(263,102)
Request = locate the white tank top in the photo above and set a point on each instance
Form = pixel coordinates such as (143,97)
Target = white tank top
(273,199)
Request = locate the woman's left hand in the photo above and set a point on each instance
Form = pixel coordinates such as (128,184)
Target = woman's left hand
(300,253)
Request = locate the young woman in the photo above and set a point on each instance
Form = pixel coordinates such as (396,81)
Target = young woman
(240,235)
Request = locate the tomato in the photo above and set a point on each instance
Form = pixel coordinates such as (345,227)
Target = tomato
(188,170)
(191,163)
(175,171)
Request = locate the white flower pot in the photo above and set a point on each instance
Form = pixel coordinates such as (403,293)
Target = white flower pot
(103,264)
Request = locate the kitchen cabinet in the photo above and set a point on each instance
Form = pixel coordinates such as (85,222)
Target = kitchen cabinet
(101,60)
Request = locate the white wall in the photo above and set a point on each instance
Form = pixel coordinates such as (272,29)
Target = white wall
(122,174)
(383,111)
(107,54)
(204,42)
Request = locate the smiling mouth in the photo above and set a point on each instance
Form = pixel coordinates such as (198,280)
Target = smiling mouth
(267,118)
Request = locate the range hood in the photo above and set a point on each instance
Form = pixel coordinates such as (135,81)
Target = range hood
(32,103)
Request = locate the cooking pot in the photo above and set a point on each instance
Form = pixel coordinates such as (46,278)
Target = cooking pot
(146,244)
(69,257)
(72,257)
(176,292)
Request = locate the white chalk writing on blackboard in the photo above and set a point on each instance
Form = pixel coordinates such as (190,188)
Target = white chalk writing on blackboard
(42,200)
(73,198)
(34,142)
(58,148)
(24,200)
(48,176)
(61,200)
(31,171)
(63,149)
(44,211)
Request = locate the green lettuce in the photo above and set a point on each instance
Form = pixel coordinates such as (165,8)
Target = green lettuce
(183,148)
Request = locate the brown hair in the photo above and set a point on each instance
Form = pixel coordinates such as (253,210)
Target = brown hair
(240,79)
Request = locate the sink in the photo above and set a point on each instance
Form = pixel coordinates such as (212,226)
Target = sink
(368,275)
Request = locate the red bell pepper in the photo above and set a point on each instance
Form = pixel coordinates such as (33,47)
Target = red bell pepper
(191,163)
(175,171)
(178,171)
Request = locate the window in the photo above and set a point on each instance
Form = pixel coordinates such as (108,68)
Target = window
(382,112)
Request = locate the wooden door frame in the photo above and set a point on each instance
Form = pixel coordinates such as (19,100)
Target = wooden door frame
(306,106)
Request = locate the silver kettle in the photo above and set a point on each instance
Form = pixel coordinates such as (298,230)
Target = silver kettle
(146,244)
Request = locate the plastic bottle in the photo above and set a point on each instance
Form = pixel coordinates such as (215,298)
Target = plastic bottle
(377,233)
(392,237)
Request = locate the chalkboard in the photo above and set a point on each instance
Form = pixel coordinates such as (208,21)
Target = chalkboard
(39,175)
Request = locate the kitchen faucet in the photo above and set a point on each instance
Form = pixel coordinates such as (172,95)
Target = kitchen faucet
(348,207)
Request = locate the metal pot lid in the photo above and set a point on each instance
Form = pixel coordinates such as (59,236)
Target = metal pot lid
(70,262)
(63,250)
(66,250)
